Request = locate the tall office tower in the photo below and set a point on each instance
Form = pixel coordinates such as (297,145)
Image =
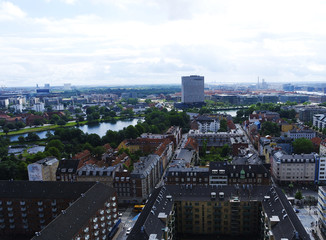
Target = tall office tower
(192,89)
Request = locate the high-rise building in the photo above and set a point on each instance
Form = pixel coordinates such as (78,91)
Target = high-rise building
(192,89)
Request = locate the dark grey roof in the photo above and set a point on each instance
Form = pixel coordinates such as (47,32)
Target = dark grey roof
(75,217)
(186,154)
(248,168)
(148,222)
(286,228)
(203,118)
(276,204)
(145,166)
(65,165)
(43,190)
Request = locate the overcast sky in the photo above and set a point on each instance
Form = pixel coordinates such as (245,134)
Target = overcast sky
(116,42)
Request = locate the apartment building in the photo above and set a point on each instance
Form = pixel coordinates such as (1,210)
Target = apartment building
(319,121)
(298,168)
(56,210)
(253,212)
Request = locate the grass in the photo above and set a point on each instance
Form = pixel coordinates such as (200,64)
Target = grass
(40,128)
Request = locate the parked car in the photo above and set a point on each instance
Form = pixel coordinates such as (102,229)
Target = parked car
(128,231)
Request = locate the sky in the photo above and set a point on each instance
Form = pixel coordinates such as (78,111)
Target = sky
(124,42)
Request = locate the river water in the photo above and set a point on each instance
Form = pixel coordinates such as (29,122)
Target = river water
(99,129)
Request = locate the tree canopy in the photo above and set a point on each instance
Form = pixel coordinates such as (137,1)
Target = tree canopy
(302,145)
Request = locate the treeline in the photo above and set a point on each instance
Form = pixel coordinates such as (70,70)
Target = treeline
(243,114)
(66,142)
(141,91)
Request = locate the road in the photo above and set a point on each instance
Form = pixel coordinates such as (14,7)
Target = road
(128,219)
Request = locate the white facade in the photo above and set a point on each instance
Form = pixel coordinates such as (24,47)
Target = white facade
(35,172)
(192,89)
(17,107)
(209,126)
(322,170)
(58,107)
(4,103)
(294,168)
(39,107)
(305,133)
(319,120)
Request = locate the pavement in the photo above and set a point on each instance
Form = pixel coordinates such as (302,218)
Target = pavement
(309,218)
(128,219)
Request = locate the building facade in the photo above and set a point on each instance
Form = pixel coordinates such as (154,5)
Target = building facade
(43,170)
(298,168)
(192,89)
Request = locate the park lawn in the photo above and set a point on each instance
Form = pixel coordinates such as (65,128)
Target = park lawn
(40,128)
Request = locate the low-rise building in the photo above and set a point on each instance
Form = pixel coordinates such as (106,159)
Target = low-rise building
(93,173)
(43,170)
(301,133)
(67,170)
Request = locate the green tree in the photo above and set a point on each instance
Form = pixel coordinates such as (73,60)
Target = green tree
(298,195)
(223,126)
(132,132)
(98,151)
(270,128)
(6,130)
(21,139)
(225,150)
(55,143)
(53,151)
(302,145)
(32,137)
(61,122)
(324,131)
(38,122)
(55,118)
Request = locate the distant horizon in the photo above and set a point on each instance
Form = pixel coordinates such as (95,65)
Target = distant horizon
(166,85)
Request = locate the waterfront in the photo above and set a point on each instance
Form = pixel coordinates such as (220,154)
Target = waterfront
(99,129)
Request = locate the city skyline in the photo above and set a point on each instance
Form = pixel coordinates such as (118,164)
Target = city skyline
(109,43)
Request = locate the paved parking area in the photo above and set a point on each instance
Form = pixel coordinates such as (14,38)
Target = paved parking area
(308,217)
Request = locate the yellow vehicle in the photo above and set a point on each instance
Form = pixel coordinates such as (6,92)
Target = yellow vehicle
(138,208)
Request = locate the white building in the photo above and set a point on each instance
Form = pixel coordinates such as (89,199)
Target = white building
(58,107)
(321,178)
(38,107)
(301,133)
(208,124)
(18,108)
(4,102)
(192,89)
(319,120)
(298,168)
(322,211)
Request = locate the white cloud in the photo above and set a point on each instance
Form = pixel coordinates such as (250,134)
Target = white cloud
(9,11)
(160,40)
